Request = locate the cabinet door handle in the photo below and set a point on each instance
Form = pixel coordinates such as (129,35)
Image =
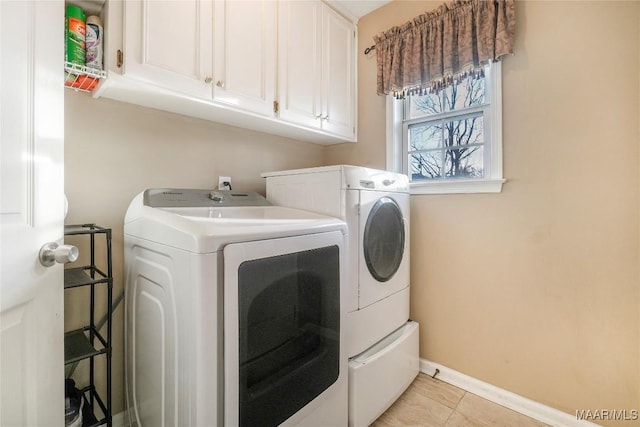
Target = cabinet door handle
(220,84)
(208,80)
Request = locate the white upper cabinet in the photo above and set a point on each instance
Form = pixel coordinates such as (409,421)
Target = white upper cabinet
(300,62)
(316,67)
(283,67)
(245,55)
(338,74)
(168,43)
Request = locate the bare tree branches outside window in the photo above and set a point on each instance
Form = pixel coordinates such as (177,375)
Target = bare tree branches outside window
(449,142)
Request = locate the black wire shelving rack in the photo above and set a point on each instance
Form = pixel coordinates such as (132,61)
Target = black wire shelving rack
(88,342)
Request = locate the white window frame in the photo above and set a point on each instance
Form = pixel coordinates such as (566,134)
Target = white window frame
(397,151)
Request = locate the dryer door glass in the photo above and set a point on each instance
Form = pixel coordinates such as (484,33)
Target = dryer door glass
(289,333)
(383,240)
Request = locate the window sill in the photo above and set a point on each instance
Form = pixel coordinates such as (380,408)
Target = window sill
(458,186)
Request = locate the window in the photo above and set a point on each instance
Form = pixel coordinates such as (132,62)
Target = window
(450,142)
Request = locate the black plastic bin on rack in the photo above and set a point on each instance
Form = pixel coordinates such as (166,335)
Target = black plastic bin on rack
(88,342)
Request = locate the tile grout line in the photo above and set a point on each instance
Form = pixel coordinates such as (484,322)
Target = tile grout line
(455,408)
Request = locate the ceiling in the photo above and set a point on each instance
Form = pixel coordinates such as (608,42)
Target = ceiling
(356,9)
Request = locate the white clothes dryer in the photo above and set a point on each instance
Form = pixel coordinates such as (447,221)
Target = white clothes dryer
(235,312)
(375,206)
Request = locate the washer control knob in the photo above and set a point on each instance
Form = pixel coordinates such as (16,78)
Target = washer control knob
(216,197)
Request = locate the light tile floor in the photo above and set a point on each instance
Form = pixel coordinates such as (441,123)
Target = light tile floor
(429,402)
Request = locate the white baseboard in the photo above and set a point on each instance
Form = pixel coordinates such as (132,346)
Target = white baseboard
(502,397)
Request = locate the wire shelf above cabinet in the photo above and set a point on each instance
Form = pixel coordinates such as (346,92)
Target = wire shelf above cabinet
(81,78)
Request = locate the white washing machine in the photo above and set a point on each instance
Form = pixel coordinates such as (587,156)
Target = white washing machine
(235,312)
(383,343)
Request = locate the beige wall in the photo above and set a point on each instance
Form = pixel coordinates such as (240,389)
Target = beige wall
(536,289)
(114,150)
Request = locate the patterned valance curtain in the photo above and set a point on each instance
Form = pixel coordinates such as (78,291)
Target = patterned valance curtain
(434,49)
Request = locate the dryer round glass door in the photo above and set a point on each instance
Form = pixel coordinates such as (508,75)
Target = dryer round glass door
(383,240)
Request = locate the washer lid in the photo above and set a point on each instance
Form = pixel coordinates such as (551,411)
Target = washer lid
(205,229)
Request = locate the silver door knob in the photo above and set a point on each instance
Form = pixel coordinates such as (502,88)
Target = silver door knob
(51,253)
(220,84)
(208,79)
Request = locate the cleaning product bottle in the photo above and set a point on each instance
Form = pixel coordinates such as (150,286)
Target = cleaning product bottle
(94,43)
(75,33)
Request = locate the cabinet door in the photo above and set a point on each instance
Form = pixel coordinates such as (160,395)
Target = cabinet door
(245,55)
(338,74)
(168,43)
(299,62)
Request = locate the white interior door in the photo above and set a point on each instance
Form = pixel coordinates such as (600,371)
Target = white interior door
(32,211)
